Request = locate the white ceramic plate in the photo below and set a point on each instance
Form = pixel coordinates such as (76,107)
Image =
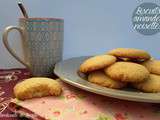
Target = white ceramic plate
(67,71)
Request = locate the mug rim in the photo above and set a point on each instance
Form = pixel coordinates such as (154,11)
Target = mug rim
(40,18)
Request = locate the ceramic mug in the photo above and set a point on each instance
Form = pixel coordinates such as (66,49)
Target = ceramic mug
(42,43)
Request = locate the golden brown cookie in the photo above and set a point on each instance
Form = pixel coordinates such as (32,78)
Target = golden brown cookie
(96,63)
(130,53)
(152,84)
(100,78)
(37,87)
(127,72)
(153,66)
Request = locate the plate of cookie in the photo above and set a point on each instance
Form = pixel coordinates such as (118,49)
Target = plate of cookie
(123,73)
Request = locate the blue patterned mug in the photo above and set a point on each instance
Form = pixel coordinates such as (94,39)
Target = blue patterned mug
(42,43)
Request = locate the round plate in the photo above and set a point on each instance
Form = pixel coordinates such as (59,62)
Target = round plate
(67,71)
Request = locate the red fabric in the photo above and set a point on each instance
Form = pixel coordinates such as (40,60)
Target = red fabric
(8,78)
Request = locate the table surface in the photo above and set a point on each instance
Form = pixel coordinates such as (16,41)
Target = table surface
(75,102)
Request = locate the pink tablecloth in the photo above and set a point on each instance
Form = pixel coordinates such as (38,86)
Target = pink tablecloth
(75,104)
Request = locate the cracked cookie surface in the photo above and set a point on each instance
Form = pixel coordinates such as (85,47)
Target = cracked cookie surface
(37,87)
(152,84)
(100,78)
(127,72)
(96,63)
(130,53)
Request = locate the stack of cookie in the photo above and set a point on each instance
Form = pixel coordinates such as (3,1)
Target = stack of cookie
(121,66)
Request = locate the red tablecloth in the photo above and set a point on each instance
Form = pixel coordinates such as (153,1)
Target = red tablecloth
(8,78)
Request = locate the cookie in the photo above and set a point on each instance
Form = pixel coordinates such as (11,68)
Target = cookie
(127,72)
(130,53)
(152,84)
(153,66)
(96,63)
(37,87)
(100,78)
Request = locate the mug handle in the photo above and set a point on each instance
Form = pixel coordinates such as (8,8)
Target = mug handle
(6,43)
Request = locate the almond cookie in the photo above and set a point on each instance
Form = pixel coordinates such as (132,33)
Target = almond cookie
(130,53)
(37,87)
(127,72)
(153,66)
(100,78)
(96,62)
(152,84)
